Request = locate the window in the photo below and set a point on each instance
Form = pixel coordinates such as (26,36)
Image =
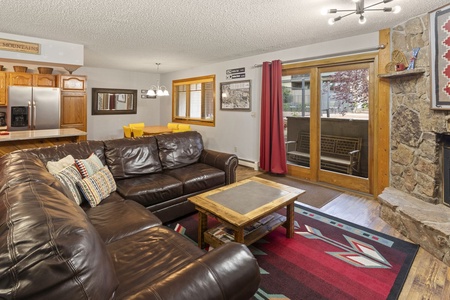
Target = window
(194,100)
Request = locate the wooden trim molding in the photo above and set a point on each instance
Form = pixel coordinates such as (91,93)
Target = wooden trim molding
(382,151)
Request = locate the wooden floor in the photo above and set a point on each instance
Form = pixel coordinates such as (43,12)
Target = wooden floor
(429,278)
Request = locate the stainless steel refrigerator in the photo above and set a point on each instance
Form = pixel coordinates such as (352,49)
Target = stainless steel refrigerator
(31,108)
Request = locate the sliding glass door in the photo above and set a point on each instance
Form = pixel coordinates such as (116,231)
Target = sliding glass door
(328,121)
(344,119)
(297,113)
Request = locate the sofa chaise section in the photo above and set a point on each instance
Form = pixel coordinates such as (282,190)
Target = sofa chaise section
(53,248)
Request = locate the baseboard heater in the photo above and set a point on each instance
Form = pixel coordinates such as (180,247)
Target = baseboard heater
(249,163)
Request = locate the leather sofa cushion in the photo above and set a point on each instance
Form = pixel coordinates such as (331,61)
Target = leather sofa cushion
(52,249)
(156,252)
(113,197)
(150,189)
(25,167)
(180,149)
(79,150)
(198,177)
(228,272)
(128,158)
(109,219)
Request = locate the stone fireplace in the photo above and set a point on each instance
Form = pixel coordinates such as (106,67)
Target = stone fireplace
(413,203)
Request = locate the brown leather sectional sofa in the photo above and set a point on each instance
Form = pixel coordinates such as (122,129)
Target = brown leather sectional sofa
(53,248)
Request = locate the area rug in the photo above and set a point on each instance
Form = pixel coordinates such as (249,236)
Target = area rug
(328,258)
(315,195)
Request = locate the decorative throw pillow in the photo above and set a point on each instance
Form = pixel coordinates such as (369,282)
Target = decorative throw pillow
(89,166)
(54,167)
(97,187)
(69,177)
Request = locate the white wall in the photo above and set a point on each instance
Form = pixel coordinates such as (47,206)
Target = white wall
(110,126)
(240,130)
(234,130)
(53,52)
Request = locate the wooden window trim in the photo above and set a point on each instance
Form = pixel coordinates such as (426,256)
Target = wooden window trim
(187,82)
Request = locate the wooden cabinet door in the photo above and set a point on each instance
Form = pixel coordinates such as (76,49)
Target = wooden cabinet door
(73,102)
(44,80)
(3,89)
(72,83)
(73,111)
(18,78)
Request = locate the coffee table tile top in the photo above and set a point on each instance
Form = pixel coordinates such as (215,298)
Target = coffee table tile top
(242,204)
(204,202)
(247,196)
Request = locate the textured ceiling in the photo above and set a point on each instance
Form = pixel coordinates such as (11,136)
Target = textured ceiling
(181,34)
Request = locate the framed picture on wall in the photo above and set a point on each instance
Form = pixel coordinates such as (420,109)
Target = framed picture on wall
(235,95)
(440,57)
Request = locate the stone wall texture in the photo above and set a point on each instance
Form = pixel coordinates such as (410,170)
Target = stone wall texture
(415,151)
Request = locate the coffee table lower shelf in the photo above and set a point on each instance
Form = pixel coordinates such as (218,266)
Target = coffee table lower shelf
(249,238)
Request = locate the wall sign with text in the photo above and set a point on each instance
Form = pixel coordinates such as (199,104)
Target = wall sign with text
(235,73)
(17,46)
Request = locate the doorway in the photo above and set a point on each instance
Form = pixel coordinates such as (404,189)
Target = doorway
(328,112)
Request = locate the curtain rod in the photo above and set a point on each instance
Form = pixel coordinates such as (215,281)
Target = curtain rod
(382,46)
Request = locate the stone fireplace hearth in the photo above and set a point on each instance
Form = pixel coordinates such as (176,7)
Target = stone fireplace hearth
(413,202)
(423,223)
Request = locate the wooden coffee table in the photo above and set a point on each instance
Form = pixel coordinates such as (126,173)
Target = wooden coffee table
(246,211)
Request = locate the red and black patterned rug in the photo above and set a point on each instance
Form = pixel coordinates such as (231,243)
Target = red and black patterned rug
(328,258)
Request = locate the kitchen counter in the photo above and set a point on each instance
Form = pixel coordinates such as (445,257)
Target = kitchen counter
(41,134)
(27,139)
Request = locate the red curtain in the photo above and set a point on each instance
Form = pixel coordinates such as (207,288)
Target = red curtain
(272,154)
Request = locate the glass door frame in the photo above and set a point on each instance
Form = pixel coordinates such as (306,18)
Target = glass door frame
(314,173)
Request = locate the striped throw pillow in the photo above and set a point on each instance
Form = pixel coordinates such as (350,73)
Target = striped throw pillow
(89,166)
(69,177)
(97,187)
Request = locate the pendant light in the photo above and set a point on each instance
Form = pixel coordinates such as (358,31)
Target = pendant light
(157,90)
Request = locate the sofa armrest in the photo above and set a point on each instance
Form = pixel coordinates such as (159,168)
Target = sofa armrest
(228,272)
(224,161)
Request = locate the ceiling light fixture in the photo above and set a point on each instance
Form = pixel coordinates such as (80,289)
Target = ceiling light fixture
(360,10)
(157,90)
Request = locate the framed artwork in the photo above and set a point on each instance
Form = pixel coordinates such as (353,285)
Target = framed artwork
(235,95)
(440,57)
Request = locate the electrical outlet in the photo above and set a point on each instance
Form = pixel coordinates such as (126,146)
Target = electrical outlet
(235,149)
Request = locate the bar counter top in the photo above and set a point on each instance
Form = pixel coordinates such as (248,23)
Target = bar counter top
(41,134)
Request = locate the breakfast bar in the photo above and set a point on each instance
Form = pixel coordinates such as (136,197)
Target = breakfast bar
(26,139)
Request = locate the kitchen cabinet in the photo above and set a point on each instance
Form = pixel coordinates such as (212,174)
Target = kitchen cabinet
(20,78)
(73,102)
(28,79)
(45,80)
(72,83)
(3,89)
